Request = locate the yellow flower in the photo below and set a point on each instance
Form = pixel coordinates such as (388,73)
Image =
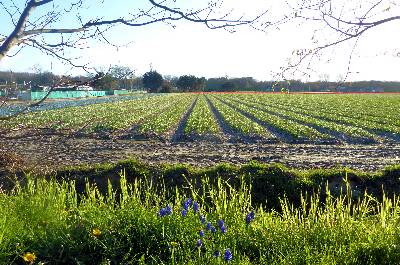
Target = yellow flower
(29,257)
(174,244)
(96,232)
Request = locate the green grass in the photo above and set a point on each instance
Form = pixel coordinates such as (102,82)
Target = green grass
(55,222)
(270,181)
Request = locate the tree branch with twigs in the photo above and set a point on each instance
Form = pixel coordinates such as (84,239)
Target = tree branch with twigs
(335,23)
(32,31)
(37,23)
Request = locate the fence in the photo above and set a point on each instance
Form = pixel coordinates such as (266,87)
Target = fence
(121,92)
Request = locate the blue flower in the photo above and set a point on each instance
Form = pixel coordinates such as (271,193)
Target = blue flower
(168,210)
(221,225)
(195,207)
(187,203)
(228,255)
(223,229)
(208,227)
(217,253)
(202,219)
(250,217)
(165,211)
(184,213)
(199,243)
(201,233)
(213,229)
(161,212)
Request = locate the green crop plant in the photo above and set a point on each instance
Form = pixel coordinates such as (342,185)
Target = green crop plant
(291,112)
(304,117)
(286,125)
(169,118)
(364,111)
(238,121)
(114,115)
(201,121)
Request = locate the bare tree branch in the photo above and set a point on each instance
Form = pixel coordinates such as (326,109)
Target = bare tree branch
(14,37)
(336,22)
(26,32)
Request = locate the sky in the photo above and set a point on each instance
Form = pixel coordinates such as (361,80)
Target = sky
(193,49)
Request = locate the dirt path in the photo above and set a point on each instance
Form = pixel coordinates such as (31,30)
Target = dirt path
(54,151)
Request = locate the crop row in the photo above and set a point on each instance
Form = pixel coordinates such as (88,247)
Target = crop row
(378,108)
(201,121)
(289,112)
(360,110)
(168,118)
(121,116)
(106,116)
(287,117)
(59,104)
(238,121)
(287,126)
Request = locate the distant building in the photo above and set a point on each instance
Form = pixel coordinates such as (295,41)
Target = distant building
(62,88)
(84,88)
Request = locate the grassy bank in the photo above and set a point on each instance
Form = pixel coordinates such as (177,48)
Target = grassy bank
(140,218)
(270,182)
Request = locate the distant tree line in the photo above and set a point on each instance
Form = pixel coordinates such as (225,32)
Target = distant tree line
(121,77)
(117,77)
(154,82)
(42,78)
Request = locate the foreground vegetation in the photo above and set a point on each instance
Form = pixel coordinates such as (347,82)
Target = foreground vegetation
(182,215)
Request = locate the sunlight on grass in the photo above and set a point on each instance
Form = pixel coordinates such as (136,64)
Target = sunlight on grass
(144,223)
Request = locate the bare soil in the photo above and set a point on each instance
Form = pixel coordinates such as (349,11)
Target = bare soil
(54,151)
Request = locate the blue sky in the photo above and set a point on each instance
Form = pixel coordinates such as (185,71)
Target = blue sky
(193,49)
